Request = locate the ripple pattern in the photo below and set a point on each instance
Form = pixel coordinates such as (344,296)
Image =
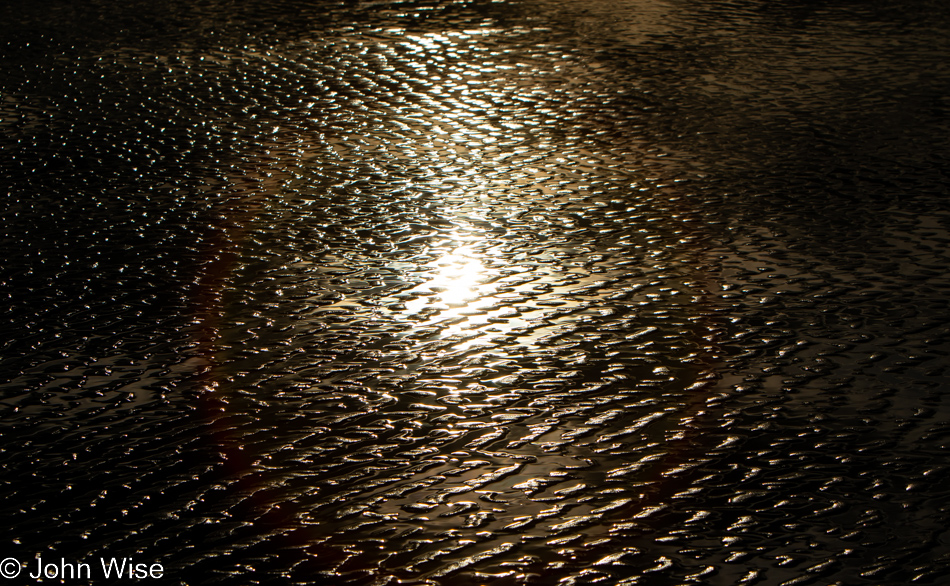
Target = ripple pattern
(546,292)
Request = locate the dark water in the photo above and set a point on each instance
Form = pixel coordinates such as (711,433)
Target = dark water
(537,292)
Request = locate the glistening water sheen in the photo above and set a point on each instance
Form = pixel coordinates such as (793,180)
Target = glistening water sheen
(475,292)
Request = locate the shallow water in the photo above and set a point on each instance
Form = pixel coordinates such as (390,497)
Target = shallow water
(536,292)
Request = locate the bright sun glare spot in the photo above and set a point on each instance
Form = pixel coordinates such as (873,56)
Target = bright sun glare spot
(455,289)
(457,278)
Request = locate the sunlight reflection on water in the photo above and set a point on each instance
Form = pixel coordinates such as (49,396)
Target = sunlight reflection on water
(458,291)
(478,294)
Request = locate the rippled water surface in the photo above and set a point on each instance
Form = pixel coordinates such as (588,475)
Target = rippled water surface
(535,292)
